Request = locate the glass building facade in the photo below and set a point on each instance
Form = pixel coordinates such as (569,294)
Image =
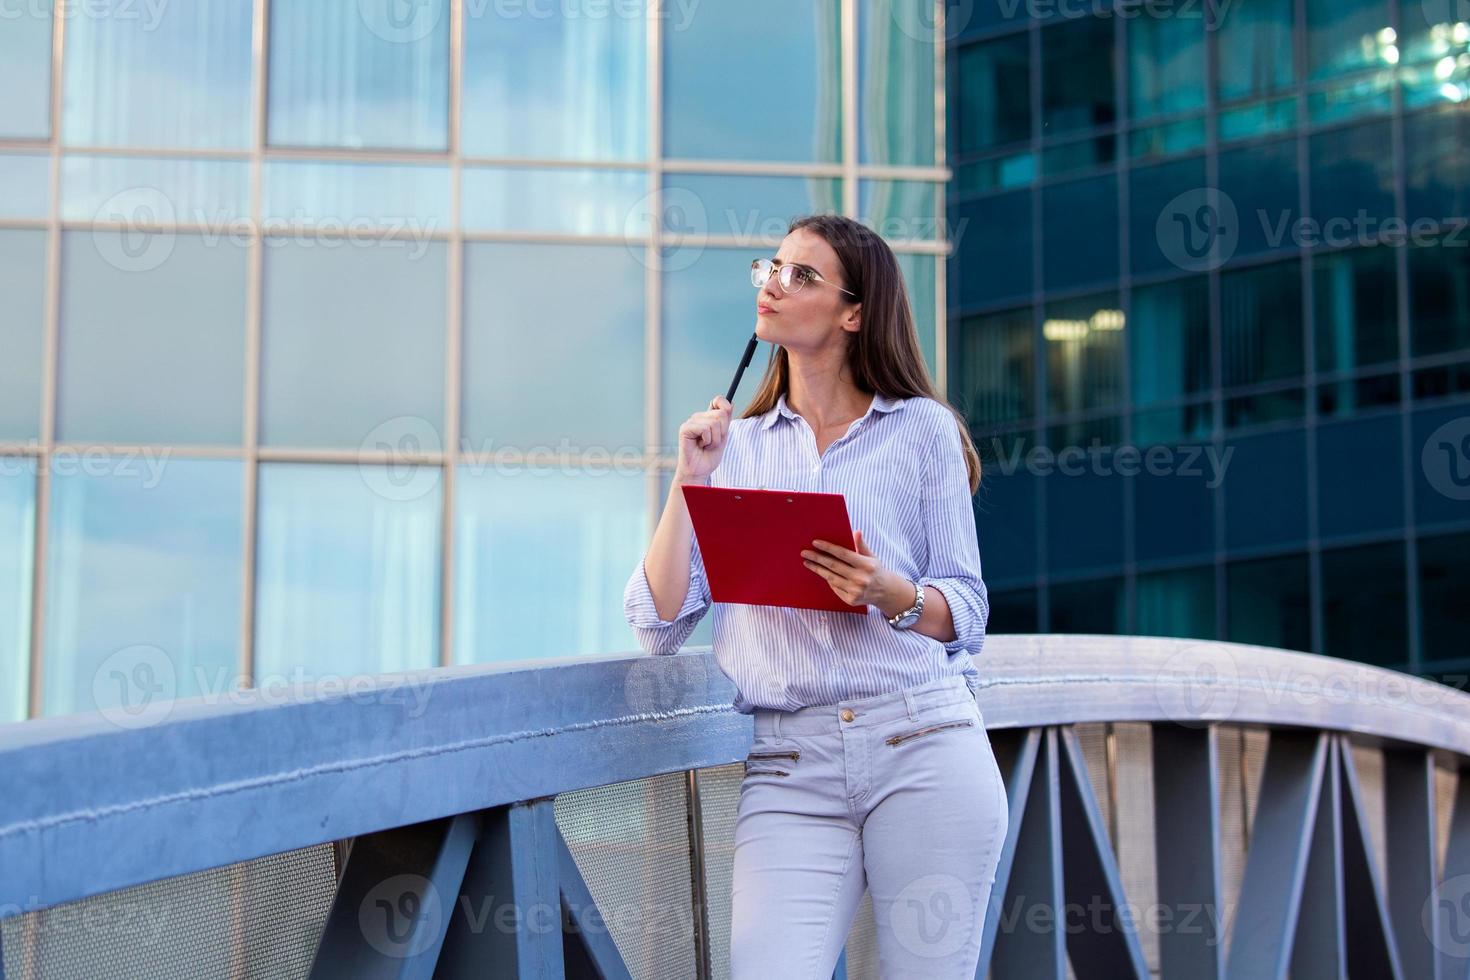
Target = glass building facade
(346,337)
(1209,316)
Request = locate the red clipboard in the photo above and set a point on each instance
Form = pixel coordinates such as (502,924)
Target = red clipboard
(751,541)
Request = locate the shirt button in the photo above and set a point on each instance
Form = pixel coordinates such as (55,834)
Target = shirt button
(847,714)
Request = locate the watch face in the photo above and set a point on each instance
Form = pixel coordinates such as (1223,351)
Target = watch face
(908,620)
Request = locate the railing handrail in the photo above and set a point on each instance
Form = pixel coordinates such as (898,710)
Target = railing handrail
(92,803)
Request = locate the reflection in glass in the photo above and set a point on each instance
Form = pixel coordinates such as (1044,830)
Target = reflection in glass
(1437,166)
(17,541)
(1365,614)
(1077,76)
(23,284)
(994,93)
(1084,352)
(26,178)
(25,73)
(1171,340)
(141,550)
(714,107)
(1261,323)
(995,268)
(535,549)
(401,199)
(359,75)
(1269,603)
(900,209)
(157,190)
(896,90)
(1346,35)
(1352,181)
(708,315)
(589,99)
(1152,190)
(1356,308)
(1439,299)
(1444,616)
(1166,62)
(1262,181)
(1080,232)
(593,297)
(353,337)
(347,573)
(1255,48)
(918,276)
(992,368)
(744,207)
(171,75)
(568,202)
(1177,603)
(151,353)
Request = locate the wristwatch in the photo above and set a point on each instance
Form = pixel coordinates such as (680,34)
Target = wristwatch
(909,616)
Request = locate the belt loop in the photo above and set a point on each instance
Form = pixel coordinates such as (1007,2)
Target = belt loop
(908,700)
(776,725)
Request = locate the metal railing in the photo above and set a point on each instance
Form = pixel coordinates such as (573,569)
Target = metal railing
(1178,808)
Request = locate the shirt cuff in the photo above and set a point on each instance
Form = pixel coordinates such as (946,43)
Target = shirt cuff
(969,607)
(638,605)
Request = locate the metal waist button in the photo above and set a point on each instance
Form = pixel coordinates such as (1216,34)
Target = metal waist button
(847,714)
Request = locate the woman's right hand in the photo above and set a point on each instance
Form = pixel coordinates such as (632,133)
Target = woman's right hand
(702,440)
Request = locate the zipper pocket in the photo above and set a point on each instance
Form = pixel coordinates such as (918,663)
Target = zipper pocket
(764,772)
(898,739)
(792,755)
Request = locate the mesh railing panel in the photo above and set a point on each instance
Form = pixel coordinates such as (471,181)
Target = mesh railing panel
(1137,867)
(257,919)
(631,842)
(1368,763)
(1446,783)
(719,804)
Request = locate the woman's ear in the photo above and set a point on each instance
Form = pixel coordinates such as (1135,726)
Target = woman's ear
(854,318)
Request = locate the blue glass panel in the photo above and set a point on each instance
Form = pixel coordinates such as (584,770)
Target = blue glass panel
(1265,490)
(353,337)
(1346,35)
(1439,298)
(708,316)
(23,284)
(1365,611)
(1077,73)
(1163,215)
(1166,62)
(1006,511)
(1369,94)
(1174,503)
(1084,352)
(1177,603)
(589,99)
(993,268)
(151,352)
(159,74)
(1444,616)
(1261,323)
(1437,172)
(993,93)
(17,543)
(347,572)
(1261,181)
(370,74)
(25,72)
(1352,180)
(1357,319)
(567,202)
(1255,48)
(992,367)
(896,84)
(535,549)
(918,275)
(1258,119)
(1014,611)
(1080,220)
(578,309)
(718,99)
(398,199)
(1089,607)
(1440,447)
(747,207)
(143,582)
(900,209)
(1084,517)
(1269,603)
(150,191)
(1353,498)
(1170,341)
(26,178)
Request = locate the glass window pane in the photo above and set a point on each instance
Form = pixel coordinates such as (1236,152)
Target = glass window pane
(1269,603)
(995,268)
(992,367)
(1079,156)
(25,72)
(1174,501)
(1444,615)
(745,207)
(1352,181)
(1170,341)
(1255,49)
(994,93)
(590,97)
(896,84)
(151,351)
(1265,489)
(347,573)
(705,304)
(409,202)
(1364,610)
(535,550)
(1084,353)
(918,276)
(26,178)
(579,310)
(1357,308)
(151,191)
(1350,396)
(22,326)
(1012,612)
(711,82)
(1188,422)
(1088,607)
(1353,498)
(901,209)
(1261,323)
(353,336)
(1261,181)
(1177,603)
(1077,76)
(170,75)
(1006,509)
(17,543)
(359,75)
(1346,35)
(1084,507)
(143,580)
(1166,62)
(1167,139)
(1437,171)
(1258,119)
(1439,299)
(568,202)
(1440,464)
(1368,94)
(1161,199)
(1075,212)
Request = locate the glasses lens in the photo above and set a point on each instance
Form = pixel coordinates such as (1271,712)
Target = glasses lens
(760,271)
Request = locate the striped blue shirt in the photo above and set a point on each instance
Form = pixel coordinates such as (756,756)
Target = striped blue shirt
(901,468)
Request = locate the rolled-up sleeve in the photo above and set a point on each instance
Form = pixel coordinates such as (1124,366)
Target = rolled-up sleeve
(663,637)
(953,543)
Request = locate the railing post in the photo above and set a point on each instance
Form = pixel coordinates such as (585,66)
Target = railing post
(1187,848)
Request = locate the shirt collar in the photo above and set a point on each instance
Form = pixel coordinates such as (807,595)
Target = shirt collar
(881,403)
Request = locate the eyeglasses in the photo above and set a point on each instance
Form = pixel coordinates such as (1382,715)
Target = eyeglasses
(791,277)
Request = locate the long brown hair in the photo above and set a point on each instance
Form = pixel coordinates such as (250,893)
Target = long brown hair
(884,354)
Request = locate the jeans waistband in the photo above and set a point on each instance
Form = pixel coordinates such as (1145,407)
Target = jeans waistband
(875,710)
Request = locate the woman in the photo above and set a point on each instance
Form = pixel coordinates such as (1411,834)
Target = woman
(871,767)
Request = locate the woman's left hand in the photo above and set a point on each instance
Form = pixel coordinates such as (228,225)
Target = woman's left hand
(857,577)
